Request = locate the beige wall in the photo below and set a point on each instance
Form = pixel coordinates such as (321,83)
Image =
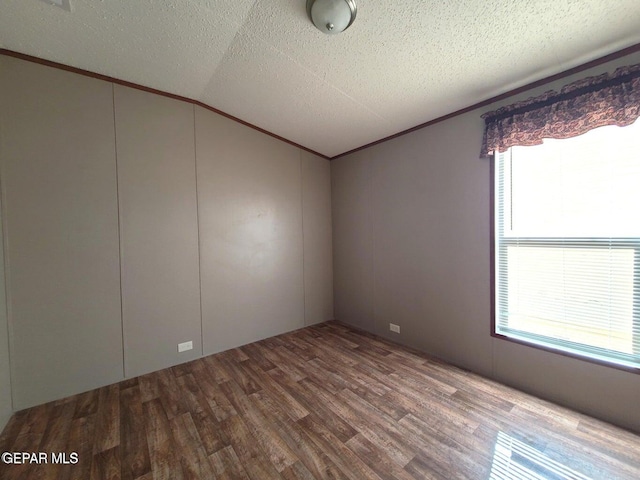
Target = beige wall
(318,254)
(250,217)
(411,246)
(61,220)
(113,193)
(158,230)
(352,240)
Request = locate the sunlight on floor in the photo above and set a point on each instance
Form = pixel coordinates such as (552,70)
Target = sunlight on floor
(513,459)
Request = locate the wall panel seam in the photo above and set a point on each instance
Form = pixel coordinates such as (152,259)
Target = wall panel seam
(304,283)
(195,165)
(115,153)
(5,257)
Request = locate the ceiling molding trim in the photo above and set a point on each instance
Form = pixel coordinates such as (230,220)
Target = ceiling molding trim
(593,63)
(106,78)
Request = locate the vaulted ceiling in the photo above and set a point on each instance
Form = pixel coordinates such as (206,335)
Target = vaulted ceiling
(402,63)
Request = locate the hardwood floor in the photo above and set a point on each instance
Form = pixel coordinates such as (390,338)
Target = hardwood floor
(322,402)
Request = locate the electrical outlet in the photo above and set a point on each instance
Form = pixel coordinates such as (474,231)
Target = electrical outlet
(394,328)
(183,347)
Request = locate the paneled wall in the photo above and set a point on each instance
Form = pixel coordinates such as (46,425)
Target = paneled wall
(61,232)
(116,203)
(158,229)
(353,240)
(412,247)
(318,246)
(250,210)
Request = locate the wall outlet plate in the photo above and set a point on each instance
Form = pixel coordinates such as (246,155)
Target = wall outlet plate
(183,347)
(394,328)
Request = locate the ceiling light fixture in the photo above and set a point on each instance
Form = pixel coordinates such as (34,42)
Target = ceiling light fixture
(332,16)
(64,4)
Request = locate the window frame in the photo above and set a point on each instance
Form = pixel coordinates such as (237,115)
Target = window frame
(494,292)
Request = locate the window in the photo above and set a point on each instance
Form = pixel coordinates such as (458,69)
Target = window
(567,245)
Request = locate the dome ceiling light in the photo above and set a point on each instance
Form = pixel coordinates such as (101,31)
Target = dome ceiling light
(332,16)
(64,4)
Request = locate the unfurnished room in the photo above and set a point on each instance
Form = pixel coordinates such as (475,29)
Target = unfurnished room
(319,239)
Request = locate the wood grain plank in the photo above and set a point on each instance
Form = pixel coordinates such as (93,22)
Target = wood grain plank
(211,434)
(253,352)
(12,429)
(56,437)
(81,439)
(213,395)
(192,455)
(305,397)
(128,383)
(170,394)
(342,456)
(192,396)
(299,348)
(355,377)
(297,471)
(250,454)
(322,402)
(398,450)
(444,451)
(225,461)
(86,403)
(377,458)
(182,369)
(216,369)
(382,403)
(314,459)
(106,465)
(240,376)
(107,419)
(148,385)
(165,464)
(135,450)
(274,447)
(294,408)
(419,468)
(31,431)
(281,359)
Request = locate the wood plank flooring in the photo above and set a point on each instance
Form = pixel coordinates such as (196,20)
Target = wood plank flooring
(322,402)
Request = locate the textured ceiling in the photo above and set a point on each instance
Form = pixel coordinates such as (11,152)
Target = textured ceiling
(401,63)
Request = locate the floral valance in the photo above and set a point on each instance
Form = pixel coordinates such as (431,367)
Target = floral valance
(608,99)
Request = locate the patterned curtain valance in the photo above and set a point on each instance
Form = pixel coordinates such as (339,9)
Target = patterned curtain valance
(608,99)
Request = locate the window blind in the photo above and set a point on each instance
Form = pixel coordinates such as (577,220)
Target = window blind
(568,244)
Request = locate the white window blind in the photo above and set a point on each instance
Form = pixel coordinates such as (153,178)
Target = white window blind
(567,244)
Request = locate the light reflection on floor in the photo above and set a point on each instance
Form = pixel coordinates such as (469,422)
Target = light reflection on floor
(514,459)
